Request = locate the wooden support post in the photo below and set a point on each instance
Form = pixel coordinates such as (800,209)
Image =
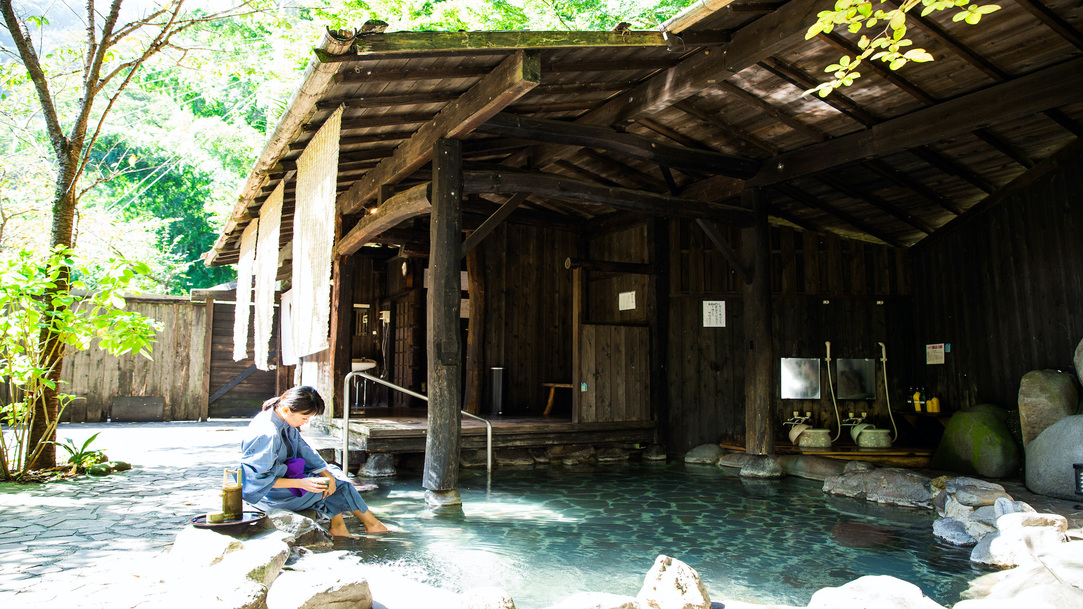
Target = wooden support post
(208,341)
(475,356)
(444,348)
(577,334)
(658,316)
(342,276)
(759,370)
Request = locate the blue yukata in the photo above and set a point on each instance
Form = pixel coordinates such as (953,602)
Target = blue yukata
(269,443)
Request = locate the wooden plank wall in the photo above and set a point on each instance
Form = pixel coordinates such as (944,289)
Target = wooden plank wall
(615,368)
(1005,290)
(176,372)
(528,318)
(245,399)
(824,288)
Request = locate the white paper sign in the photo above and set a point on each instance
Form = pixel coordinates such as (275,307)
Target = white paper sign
(714,313)
(626,301)
(934,354)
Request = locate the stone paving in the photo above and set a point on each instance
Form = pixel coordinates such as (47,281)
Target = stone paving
(62,543)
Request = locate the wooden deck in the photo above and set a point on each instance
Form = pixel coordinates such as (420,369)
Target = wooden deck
(404,430)
(897,456)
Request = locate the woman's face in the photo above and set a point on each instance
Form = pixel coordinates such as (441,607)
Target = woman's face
(293,419)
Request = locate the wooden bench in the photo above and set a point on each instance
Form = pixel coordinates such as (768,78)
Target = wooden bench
(552,391)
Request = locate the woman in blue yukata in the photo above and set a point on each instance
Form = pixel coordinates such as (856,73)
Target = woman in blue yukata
(281,471)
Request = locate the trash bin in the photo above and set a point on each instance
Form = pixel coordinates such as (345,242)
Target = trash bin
(496,391)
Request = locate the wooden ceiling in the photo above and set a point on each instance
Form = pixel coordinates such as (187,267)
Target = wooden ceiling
(595,129)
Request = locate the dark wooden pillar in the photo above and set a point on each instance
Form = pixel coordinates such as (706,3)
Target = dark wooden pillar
(658,317)
(444,349)
(475,356)
(759,370)
(342,273)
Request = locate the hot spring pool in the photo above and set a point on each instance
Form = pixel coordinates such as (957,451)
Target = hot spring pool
(542,534)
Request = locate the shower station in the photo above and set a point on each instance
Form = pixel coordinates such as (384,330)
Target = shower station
(854,380)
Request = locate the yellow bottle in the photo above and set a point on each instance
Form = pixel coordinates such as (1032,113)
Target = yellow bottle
(917,401)
(934,405)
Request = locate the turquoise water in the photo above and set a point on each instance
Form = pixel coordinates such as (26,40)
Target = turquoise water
(542,534)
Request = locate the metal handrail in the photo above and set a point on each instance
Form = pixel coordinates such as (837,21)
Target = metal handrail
(368,377)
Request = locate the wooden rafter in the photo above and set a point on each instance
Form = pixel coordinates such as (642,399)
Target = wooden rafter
(403,206)
(1049,88)
(1054,21)
(877,202)
(515,76)
(803,197)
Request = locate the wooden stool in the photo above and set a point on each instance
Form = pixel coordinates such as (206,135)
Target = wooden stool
(552,391)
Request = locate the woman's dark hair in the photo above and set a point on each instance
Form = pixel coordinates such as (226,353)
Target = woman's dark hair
(302,400)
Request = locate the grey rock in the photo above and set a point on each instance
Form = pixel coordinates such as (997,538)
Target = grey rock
(978,442)
(514,457)
(976,497)
(893,486)
(597,600)
(654,452)
(1030,585)
(1078,360)
(1007,506)
(858,466)
(1020,537)
(952,531)
(706,454)
(583,456)
(762,467)
(1045,397)
(613,454)
(540,456)
(1050,457)
(737,460)
(888,592)
(940,501)
(986,514)
(672,584)
(443,499)
(378,465)
(319,590)
(810,466)
(301,530)
(475,459)
(260,560)
(486,598)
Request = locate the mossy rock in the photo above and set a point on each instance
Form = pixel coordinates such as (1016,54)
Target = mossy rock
(101,469)
(119,466)
(978,442)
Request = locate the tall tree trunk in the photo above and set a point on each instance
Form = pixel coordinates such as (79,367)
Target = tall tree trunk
(47,409)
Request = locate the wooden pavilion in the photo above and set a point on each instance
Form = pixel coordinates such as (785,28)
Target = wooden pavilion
(655,218)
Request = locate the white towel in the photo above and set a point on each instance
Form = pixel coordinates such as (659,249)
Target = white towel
(270,224)
(314,238)
(244,291)
(285,329)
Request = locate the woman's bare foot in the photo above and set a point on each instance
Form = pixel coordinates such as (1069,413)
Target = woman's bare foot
(378,527)
(372,525)
(338,527)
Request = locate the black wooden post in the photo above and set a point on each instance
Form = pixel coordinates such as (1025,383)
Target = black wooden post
(444,348)
(658,316)
(759,371)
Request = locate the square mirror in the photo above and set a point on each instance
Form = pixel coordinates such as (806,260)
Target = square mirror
(855,379)
(800,378)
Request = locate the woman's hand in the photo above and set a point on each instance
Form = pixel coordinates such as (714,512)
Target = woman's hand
(330,490)
(316,484)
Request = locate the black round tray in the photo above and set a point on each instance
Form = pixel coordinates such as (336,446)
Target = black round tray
(200,522)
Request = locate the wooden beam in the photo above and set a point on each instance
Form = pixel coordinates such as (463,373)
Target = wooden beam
(609,266)
(493,221)
(1053,21)
(427,43)
(403,206)
(635,146)
(877,202)
(727,251)
(1048,88)
(586,192)
(756,316)
(444,345)
(514,76)
(802,197)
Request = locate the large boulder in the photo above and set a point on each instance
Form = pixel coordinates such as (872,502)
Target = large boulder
(1020,536)
(378,465)
(880,591)
(1079,361)
(1050,457)
(486,598)
(301,530)
(1045,397)
(597,600)
(762,467)
(321,581)
(978,442)
(811,467)
(671,584)
(1054,581)
(890,485)
(705,454)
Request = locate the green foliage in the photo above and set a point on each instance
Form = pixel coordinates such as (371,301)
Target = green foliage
(81,457)
(889,42)
(35,305)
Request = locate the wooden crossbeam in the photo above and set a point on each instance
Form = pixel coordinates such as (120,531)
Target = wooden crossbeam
(551,185)
(403,206)
(492,222)
(516,75)
(1049,88)
(635,146)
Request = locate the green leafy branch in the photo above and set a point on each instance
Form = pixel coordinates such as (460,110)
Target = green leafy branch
(890,43)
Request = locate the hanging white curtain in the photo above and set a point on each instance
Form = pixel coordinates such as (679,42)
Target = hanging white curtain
(285,328)
(314,239)
(270,224)
(244,291)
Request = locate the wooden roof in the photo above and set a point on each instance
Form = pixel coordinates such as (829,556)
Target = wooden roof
(596,128)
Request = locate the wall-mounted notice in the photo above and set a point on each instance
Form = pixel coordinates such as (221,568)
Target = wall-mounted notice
(626,301)
(934,354)
(714,313)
